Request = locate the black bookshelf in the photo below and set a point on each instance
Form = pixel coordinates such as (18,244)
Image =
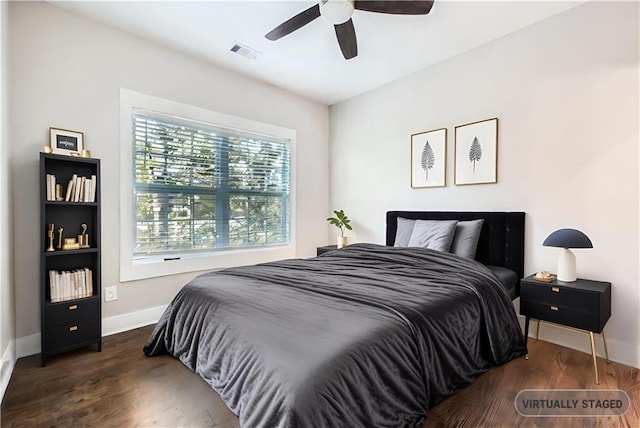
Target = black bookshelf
(73,321)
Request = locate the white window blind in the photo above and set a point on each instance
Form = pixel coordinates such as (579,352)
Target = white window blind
(199,187)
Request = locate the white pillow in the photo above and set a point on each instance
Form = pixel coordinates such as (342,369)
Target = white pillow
(433,234)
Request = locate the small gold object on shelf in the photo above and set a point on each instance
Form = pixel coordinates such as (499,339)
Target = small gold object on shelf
(60,238)
(70,244)
(85,154)
(50,233)
(83,239)
(47,149)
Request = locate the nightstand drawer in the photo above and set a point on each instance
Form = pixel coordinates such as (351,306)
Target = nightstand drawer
(570,317)
(71,312)
(562,296)
(73,334)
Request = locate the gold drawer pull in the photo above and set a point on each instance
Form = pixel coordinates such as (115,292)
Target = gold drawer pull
(554,308)
(73,328)
(555,289)
(73,307)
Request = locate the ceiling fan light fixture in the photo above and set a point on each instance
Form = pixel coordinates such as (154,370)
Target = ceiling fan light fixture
(336,11)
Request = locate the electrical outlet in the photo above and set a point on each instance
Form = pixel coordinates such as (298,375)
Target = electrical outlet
(111,293)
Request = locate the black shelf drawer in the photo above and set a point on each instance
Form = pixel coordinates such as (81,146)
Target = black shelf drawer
(570,317)
(73,334)
(566,296)
(72,311)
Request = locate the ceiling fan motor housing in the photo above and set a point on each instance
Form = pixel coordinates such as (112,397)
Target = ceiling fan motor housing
(336,11)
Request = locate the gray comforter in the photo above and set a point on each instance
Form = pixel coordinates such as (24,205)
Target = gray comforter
(367,336)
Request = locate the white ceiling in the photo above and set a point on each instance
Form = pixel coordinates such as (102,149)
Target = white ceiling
(309,61)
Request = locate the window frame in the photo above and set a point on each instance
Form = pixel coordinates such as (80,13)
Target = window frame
(131,269)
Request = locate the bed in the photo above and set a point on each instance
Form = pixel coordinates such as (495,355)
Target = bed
(368,335)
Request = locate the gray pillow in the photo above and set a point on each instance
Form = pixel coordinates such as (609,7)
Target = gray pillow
(403,232)
(465,240)
(434,234)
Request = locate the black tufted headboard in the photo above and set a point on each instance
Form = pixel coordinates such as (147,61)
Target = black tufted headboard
(501,239)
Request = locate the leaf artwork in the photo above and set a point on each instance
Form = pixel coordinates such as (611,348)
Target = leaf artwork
(475,153)
(428,159)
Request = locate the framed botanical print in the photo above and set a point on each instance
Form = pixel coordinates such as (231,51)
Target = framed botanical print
(429,158)
(476,152)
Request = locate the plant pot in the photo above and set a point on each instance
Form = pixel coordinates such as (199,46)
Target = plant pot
(342,241)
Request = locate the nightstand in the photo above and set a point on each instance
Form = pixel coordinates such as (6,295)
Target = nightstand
(322,250)
(583,305)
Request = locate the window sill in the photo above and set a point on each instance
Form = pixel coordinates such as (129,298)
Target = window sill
(156,266)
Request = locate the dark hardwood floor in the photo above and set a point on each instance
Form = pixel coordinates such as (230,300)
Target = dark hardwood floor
(120,387)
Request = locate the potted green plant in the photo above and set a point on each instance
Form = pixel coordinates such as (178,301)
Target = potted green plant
(342,222)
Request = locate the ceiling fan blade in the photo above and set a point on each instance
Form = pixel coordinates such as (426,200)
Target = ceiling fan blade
(416,7)
(346,35)
(292,24)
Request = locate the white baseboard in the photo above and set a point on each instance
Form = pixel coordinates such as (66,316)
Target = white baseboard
(619,352)
(6,367)
(125,322)
(30,345)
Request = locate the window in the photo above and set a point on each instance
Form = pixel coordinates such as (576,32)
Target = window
(200,187)
(203,186)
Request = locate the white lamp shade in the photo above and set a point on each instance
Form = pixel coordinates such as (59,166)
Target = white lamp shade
(566,266)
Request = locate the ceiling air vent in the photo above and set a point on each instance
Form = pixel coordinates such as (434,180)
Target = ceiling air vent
(245,51)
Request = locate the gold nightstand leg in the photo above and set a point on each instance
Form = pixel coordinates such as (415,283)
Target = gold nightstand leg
(604,340)
(538,330)
(593,354)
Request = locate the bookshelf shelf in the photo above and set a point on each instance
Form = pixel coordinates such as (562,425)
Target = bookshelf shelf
(70,280)
(58,253)
(72,204)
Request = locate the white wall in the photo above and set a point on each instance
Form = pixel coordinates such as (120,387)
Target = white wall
(566,94)
(66,72)
(7,312)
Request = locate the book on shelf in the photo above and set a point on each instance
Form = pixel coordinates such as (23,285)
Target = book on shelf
(94,183)
(51,187)
(70,285)
(83,188)
(70,188)
(78,188)
(87,190)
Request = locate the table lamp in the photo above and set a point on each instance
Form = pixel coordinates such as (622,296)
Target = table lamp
(565,239)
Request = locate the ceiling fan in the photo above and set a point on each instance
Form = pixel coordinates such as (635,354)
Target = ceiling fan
(338,13)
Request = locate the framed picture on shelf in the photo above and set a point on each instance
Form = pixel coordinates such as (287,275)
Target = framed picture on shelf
(476,152)
(429,158)
(66,142)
